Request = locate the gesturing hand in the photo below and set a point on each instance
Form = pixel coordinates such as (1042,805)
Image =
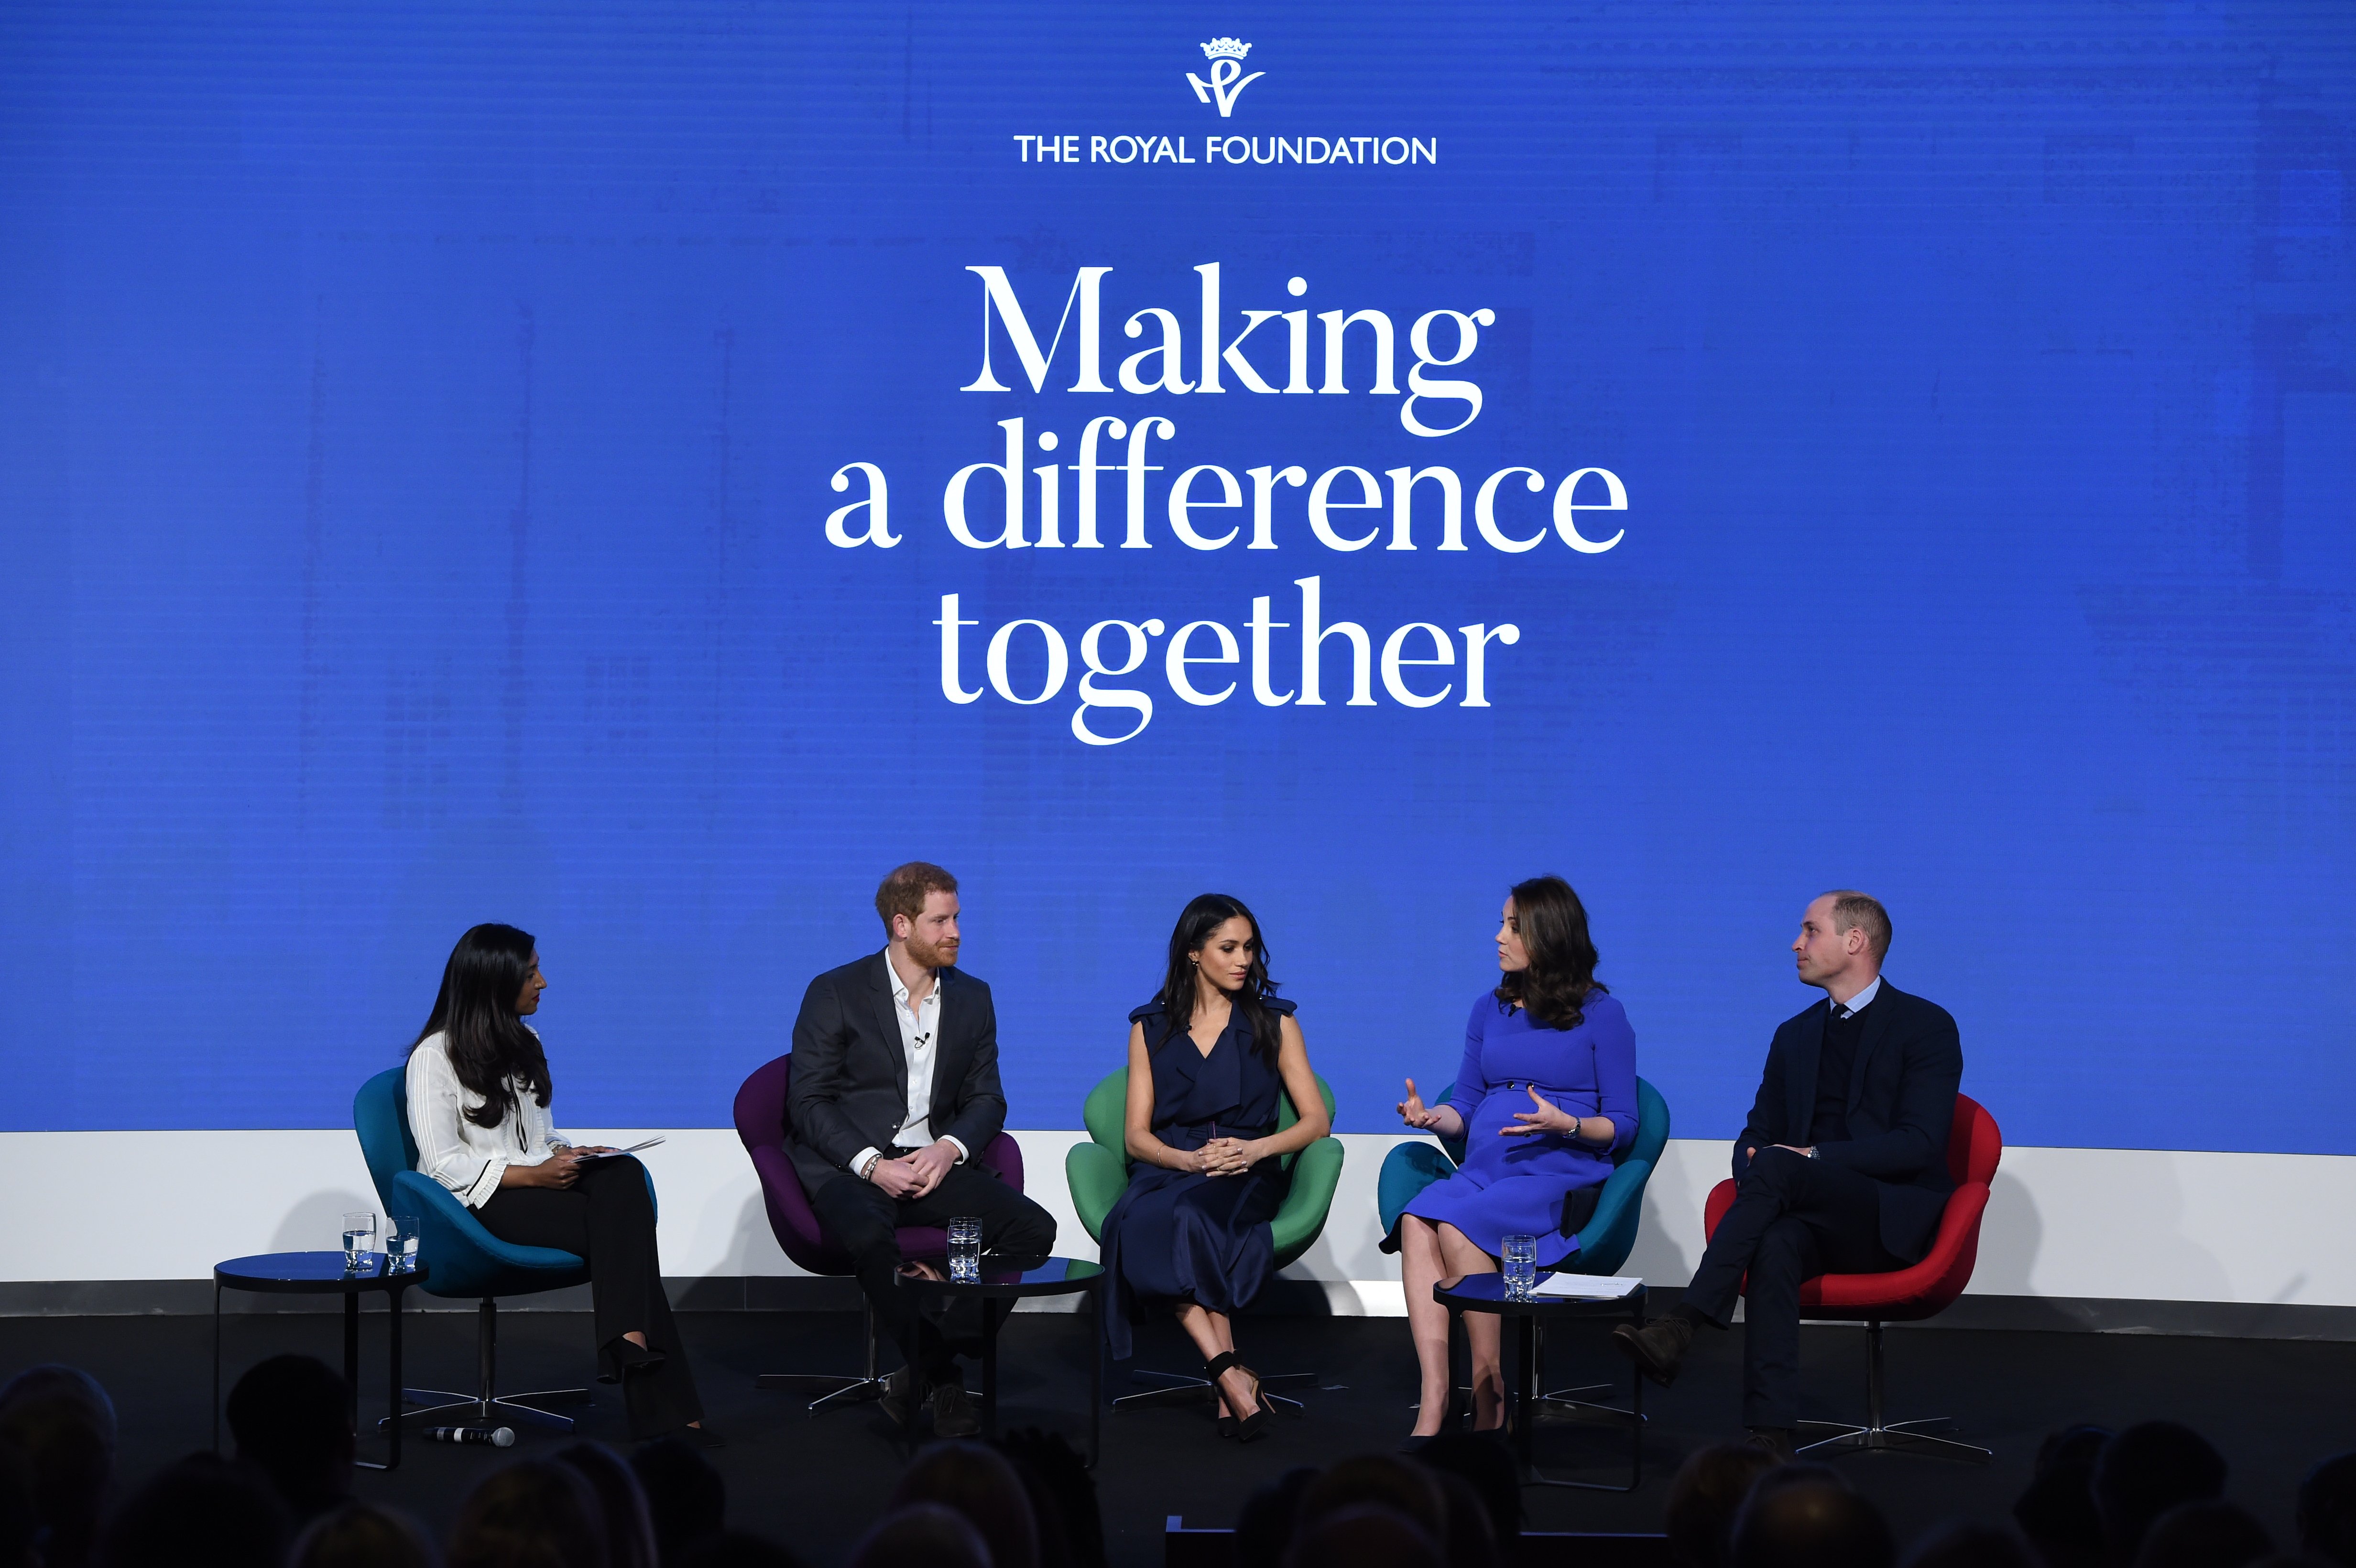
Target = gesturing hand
(1414,1112)
(1546,1118)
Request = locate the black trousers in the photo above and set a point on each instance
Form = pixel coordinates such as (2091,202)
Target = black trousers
(862,1217)
(608,1217)
(1793,1218)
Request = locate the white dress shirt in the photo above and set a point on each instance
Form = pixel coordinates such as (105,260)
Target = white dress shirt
(920,1038)
(466,1159)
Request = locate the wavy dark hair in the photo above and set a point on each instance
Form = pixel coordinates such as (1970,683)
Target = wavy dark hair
(1561,976)
(490,1046)
(1204,915)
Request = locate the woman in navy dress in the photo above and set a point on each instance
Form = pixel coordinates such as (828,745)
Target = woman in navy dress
(1208,1059)
(1546,1095)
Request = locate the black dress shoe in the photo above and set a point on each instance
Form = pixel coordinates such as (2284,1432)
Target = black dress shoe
(953,1414)
(1658,1348)
(1775,1442)
(898,1396)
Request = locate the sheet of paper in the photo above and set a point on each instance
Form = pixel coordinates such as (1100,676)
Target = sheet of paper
(1586,1286)
(632,1150)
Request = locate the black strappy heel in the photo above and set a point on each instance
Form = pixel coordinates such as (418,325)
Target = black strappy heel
(1250,1427)
(1212,1371)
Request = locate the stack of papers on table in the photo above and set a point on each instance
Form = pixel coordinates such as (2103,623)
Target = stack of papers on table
(1585,1287)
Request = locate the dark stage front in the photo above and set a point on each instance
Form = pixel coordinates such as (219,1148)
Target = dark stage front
(2271,1407)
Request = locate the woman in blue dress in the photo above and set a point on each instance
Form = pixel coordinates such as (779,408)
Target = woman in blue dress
(1206,1061)
(1546,1094)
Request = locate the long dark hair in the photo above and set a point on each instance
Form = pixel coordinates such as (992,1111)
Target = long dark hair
(1205,914)
(1561,976)
(489,1045)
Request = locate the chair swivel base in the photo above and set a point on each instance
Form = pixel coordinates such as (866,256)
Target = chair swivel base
(1888,1437)
(1178,1388)
(1564,1404)
(458,1409)
(1895,1437)
(839,1387)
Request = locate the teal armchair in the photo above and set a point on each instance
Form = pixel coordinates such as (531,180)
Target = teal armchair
(1097,1172)
(1609,1233)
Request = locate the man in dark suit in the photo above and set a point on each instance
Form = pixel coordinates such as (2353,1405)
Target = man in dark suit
(1842,1168)
(895,1093)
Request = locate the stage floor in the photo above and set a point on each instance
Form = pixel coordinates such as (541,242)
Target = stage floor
(2272,1406)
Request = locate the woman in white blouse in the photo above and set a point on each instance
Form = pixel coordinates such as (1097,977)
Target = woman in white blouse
(478,1093)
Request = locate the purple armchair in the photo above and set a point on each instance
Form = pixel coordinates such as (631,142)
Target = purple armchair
(762,1119)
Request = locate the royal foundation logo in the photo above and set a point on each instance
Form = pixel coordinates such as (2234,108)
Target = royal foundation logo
(1227,79)
(1149,145)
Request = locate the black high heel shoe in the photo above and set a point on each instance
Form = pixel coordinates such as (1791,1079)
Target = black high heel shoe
(1212,1370)
(1250,1427)
(622,1358)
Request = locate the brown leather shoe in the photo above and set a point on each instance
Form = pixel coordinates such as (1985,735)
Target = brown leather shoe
(1658,1348)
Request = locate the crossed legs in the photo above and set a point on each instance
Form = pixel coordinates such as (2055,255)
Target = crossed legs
(1214,1334)
(1427,1254)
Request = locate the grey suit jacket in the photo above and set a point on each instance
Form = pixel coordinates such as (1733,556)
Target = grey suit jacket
(851,1075)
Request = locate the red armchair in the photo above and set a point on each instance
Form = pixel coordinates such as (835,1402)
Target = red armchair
(1907,1295)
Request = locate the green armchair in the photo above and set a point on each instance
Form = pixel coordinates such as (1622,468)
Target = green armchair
(1097,1171)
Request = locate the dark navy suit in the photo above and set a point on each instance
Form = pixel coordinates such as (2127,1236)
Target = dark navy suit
(1868,1201)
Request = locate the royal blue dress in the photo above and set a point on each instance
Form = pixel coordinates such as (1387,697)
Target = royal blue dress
(1515,1186)
(1178,1235)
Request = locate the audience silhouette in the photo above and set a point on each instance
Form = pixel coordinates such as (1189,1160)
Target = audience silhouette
(201,1512)
(363,1535)
(61,1425)
(687,1498)
(2149,1496)
(291,1418)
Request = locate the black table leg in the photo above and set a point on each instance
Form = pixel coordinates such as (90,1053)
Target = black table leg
(392,1395)
(392,1388)
(1636,1412)
(1525,1389)
(352,1352)
(993,1313)
(217,1290)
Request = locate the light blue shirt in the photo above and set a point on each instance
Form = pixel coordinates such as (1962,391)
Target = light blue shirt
(1857,1003)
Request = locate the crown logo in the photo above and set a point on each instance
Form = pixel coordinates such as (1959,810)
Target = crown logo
(1227,78)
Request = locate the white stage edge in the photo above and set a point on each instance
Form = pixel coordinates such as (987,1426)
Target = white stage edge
(2126,1224)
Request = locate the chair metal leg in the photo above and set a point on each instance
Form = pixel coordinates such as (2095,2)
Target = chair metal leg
(841,1388)
(1890,1436)
(479,1408)
(1180,1388)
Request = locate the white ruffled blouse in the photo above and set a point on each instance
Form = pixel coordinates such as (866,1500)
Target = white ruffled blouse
(466,1159)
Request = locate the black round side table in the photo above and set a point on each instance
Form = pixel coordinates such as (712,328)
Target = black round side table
(1531,1319)
(322,1274)
(997,1290)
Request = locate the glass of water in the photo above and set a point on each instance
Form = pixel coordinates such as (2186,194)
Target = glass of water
(965,1251)
(359,1241)
(1520,1257)
(400,1244)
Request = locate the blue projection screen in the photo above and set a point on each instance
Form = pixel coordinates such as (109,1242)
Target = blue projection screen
(641,472)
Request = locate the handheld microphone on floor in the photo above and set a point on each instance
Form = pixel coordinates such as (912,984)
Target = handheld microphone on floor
(485,1436)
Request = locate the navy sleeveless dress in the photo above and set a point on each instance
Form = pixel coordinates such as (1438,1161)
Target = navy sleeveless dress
(1177,1235)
